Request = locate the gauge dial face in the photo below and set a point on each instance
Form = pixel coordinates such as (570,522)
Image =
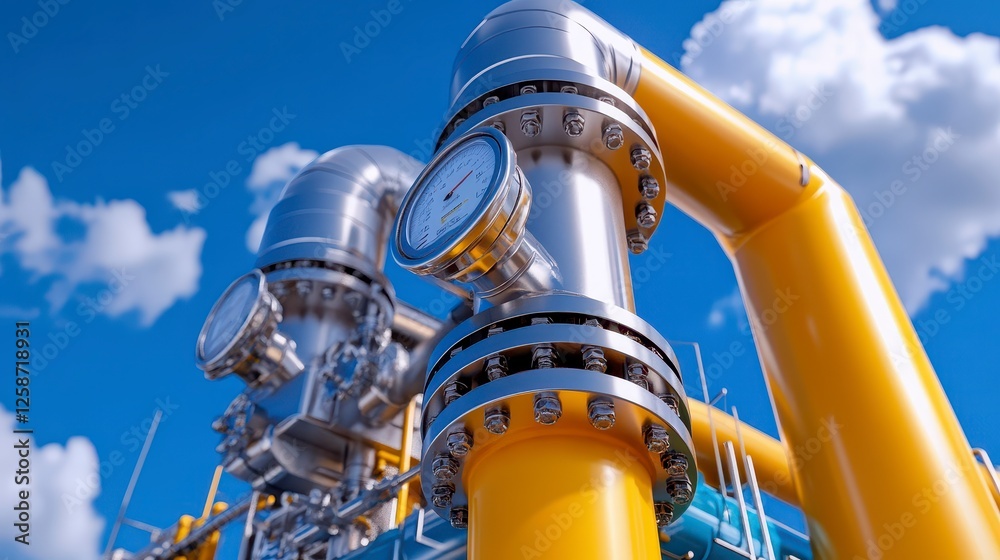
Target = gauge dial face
(230,314)
(451,193)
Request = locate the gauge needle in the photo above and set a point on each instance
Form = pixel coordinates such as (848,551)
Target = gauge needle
(452,191)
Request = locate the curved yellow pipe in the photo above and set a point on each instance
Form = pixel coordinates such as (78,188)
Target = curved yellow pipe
(896,475)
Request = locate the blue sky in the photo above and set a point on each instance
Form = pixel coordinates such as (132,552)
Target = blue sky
(92,237)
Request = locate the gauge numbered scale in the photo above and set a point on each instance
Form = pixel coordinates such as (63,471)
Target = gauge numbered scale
(465,211)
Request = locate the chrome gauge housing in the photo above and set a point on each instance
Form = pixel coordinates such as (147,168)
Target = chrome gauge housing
(465,212)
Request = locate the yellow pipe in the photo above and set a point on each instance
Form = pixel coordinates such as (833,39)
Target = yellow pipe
(405,454)
(881,465)
(212,489)
(590,497)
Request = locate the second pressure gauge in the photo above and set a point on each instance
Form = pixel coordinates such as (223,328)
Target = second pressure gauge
(465,210)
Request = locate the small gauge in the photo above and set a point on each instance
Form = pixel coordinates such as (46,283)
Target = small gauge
(457,217)
(244,317)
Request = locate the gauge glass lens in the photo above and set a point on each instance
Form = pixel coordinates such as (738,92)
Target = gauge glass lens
(451,193)
(230,315)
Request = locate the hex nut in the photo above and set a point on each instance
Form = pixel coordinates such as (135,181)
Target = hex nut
(573,123)
(459,443)
(441,494)
(641,158)
(459,517)
(601,411)
(656,438)
(613,136)
(497,420)
(444,467)
(548,409)
(531,123)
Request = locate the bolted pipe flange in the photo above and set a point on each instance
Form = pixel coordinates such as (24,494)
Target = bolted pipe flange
(613,136)
(657,439)
(637,243)
(645,215)
(601,412)
(444,467)
(664,513)
(680,490)
(531,123)
(496,420)
(459,517)
(593,359)
(641,158)
(459,443)
(496,367)
(442,493)
(674,463)
(649,187)
(573,123)
(548,409)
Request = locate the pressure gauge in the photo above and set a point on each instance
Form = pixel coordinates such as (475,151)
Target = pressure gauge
(465,211)
(240,335)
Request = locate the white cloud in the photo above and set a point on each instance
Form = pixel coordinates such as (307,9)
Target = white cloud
(188,201)
(724,308)
(105,244)
(270,171)
(919,114)
(64,524)
(887,5)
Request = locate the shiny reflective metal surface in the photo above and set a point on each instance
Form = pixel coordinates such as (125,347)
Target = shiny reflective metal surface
(338,207)
(525,40)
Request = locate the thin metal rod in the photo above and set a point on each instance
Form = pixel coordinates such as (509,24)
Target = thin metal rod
(734,471)
(721,395)
(711,424)
(739,437)
(132,482)
(244,553)
(141,526)
(758,504)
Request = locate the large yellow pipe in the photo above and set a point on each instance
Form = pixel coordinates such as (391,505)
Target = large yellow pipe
(895,477)
(549,493)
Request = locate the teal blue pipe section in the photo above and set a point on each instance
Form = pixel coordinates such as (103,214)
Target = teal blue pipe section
(704,524)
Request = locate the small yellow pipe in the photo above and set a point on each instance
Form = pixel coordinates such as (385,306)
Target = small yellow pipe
(405,454)
(212,489)
(881,465)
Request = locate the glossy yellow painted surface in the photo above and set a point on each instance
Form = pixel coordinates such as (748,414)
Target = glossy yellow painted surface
(552,493)
(405,451)
(882,467)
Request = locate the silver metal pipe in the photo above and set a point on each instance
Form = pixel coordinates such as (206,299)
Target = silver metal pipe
(549,39)
(339,209)
(576,216)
